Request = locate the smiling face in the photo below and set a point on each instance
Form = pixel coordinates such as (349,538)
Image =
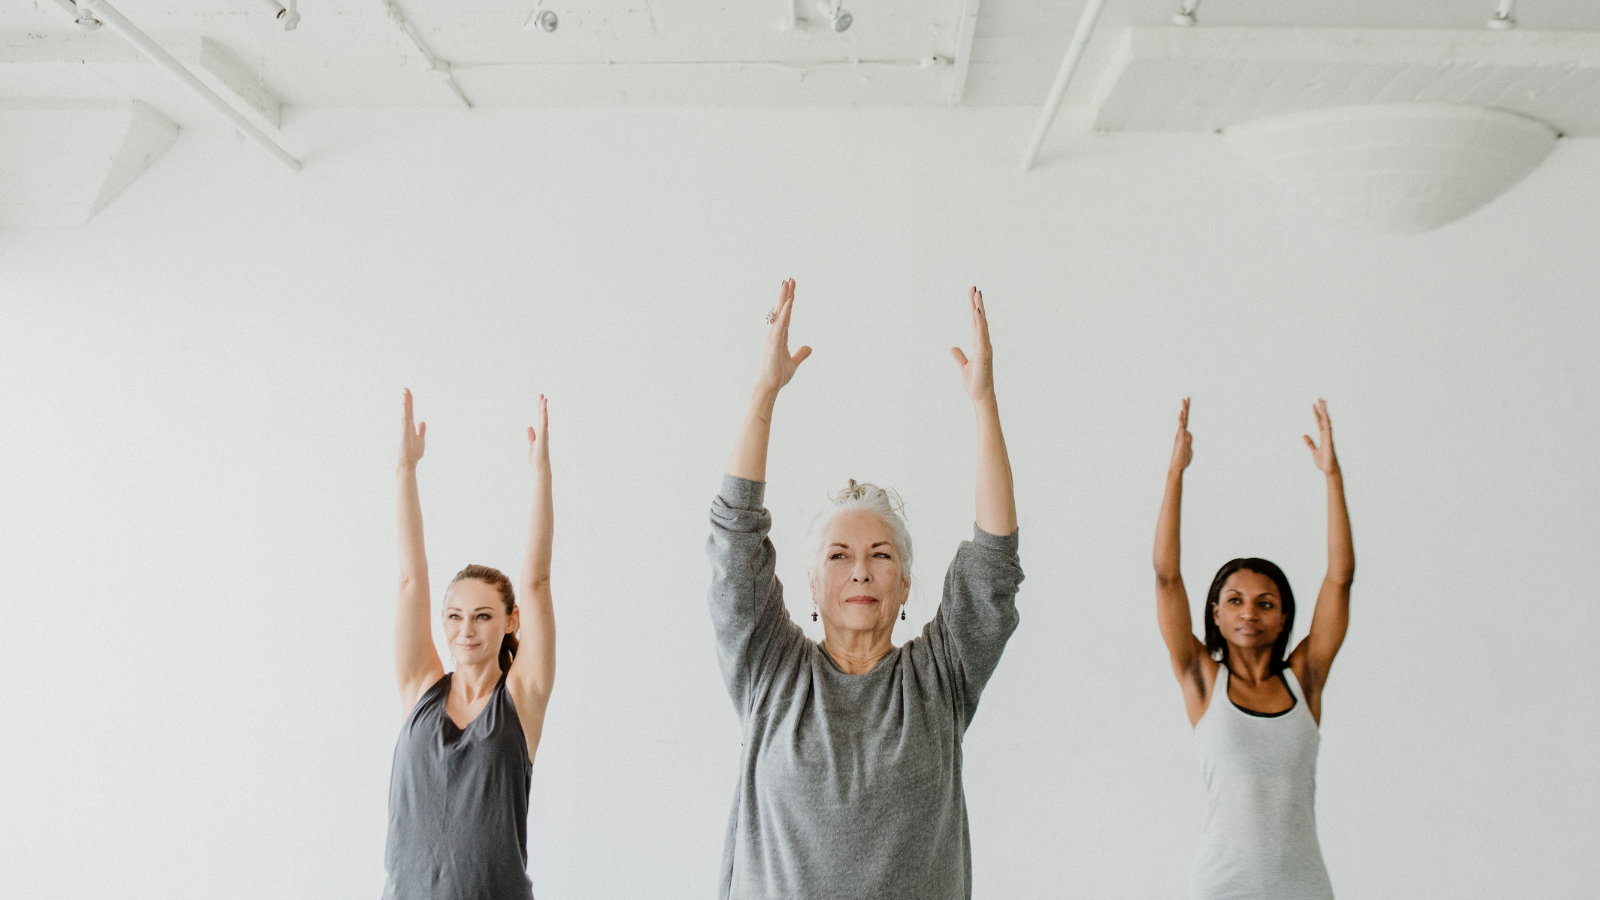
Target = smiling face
(1249,611)
(857,580)
(475,622)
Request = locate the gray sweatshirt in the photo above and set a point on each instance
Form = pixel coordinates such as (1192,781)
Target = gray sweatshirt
(850,785)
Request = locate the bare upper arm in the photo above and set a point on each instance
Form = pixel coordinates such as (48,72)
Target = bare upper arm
(1195,670)
(1312,659)
(533,671)
(416,660)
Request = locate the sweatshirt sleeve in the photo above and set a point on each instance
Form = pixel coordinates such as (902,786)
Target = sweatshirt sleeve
(747,610)
(977,614)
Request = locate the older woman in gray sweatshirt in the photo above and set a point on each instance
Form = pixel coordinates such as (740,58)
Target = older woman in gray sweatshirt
(850,778)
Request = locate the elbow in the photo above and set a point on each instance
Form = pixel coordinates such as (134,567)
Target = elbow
(1168,579)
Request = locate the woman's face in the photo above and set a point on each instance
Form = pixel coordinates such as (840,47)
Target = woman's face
(1249,610)
(858,582)
(475,620)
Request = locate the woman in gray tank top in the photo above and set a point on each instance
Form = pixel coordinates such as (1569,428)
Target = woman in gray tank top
(1255,706)
(458,789)
(850,776)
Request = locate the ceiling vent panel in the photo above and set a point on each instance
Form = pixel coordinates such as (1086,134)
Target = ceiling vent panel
(1395,167)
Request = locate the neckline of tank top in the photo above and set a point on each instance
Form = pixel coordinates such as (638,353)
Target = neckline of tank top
(1293,700)
(449,679)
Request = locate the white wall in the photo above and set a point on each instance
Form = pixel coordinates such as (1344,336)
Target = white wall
(199,400)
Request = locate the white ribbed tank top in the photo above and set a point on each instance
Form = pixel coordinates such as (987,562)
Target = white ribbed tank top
(1260,839)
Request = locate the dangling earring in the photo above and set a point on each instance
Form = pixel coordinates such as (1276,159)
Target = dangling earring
(813,612)
(902,612)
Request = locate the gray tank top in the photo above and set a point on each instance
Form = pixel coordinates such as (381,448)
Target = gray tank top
(458,804)
(1260,839)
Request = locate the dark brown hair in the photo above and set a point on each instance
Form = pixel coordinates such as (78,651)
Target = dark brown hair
(497,580)
(1216,645)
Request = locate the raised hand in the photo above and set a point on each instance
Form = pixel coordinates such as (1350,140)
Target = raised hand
(778,364)
(1323,456)
(977,374)
(539,441)
(411,437)
(1181,445)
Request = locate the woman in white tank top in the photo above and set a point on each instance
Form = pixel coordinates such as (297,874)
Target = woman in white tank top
(1253,703)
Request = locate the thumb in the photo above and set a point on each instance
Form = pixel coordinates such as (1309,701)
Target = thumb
(1309,443)
(958,356)
(801,354)
(531,435)
(422,429)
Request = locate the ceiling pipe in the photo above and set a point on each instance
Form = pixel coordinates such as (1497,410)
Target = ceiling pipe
(1069,63)
(106,14)
(437,66)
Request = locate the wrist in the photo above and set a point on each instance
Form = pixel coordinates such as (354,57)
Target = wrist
(405,467)
(986,402)
(764,398)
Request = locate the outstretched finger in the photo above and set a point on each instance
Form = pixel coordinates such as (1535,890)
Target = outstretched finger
(544,415)
(405,415)
(800,355)
(959,357)
(980,326)
(785,307)
(1183,416)
(1309,442)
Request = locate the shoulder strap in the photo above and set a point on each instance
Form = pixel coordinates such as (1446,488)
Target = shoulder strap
(1293,683)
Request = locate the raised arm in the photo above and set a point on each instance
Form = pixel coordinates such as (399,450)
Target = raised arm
(746,597)
(1172,601)
(416,661)
(996,500)
(1312,659)
(749,459)
(533,671)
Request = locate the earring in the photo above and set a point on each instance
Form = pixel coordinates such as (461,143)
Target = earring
(902,613)
(813,613)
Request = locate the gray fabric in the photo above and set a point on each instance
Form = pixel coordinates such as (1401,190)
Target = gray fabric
(1260,839)
(458,804)
(850,785)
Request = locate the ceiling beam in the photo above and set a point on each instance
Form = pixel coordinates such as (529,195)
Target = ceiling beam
(1208,79)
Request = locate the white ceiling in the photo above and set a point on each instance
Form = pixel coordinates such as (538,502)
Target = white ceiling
(349,53)
(1245,60)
